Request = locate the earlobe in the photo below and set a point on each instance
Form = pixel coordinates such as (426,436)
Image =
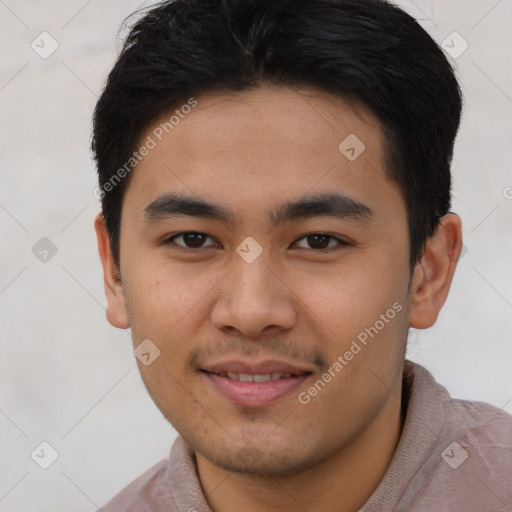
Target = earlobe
(117,314)
(433,274)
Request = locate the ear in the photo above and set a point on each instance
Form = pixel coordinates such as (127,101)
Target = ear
(117,313)
(433,274)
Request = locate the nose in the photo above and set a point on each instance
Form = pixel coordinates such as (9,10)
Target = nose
(254,300)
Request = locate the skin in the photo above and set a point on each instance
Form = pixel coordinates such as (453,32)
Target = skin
(251,151)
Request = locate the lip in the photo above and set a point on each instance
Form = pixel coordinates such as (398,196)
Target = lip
(254,394)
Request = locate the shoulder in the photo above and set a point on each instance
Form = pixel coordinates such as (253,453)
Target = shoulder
(474,471)
(487,430)
(461,451)
(171,485)
(478,419)
(476,413)
(147,492)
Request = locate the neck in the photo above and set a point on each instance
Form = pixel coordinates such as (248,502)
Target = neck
(343,482)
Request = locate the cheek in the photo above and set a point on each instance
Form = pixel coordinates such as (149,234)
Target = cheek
(364,322)
(162,295)
(343,300)
(365,357)
(168,307)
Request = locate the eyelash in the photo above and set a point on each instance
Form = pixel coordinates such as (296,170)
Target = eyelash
(171,239)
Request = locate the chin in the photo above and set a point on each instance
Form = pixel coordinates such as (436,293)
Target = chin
(248,459)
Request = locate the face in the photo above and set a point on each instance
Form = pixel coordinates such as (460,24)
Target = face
(308,299)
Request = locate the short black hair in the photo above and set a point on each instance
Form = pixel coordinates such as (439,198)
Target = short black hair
(369,50)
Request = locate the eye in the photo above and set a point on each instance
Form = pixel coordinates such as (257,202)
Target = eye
(190,240)
(196,240)
(321,241)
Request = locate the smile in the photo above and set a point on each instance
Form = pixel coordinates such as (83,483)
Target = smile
(254,389)
(247,377)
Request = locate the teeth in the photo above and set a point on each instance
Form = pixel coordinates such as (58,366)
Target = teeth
(245,377)
(277,376)
(262,378)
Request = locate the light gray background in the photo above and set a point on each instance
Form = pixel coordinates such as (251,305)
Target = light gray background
(67,376)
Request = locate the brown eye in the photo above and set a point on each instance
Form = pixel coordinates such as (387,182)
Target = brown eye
(320,241)
(190,240)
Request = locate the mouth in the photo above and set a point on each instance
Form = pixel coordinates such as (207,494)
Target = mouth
(258,377)
(254,385)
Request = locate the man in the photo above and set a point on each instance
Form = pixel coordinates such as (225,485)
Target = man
(275,186)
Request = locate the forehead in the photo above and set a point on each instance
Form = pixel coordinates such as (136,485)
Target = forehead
(252,148)
(283,119)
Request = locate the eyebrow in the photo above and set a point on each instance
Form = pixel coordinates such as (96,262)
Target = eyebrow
(329,204)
